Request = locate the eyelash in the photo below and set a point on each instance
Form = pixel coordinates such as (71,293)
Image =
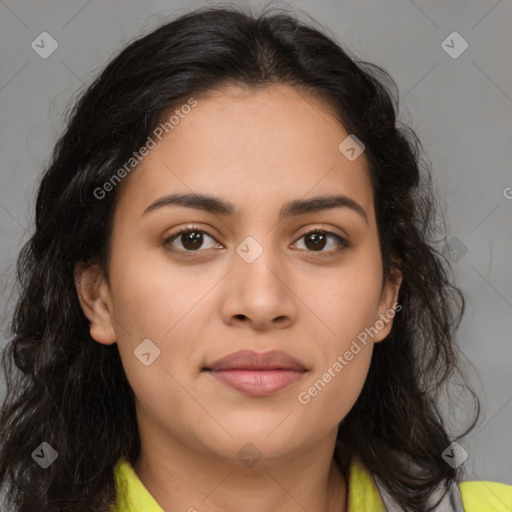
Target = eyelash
(343,243)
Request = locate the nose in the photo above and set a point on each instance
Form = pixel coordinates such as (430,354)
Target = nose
(260,290)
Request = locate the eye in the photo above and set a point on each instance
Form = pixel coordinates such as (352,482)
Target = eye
(191,239)
(317,239)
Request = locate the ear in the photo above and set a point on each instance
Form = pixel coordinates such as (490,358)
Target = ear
(94,296)
(388,305)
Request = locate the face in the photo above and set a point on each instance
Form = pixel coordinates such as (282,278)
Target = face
(306,282)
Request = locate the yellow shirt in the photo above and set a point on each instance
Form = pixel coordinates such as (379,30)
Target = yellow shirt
(363,495)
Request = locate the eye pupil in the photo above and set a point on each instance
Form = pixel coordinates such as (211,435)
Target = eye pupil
(190,239)
(318,240)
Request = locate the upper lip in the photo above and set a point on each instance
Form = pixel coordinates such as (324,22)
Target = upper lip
(250,360)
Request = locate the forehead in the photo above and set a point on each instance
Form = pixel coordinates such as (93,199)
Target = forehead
(253,148)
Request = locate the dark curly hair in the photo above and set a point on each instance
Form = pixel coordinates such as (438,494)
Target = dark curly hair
(70,391)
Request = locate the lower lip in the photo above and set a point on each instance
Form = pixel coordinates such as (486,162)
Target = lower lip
(257,382)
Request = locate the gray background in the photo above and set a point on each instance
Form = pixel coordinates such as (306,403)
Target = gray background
(461,108)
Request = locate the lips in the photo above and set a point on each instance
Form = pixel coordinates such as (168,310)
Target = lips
(257,373)
(249,360)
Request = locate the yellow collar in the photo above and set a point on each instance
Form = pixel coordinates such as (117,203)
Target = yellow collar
(133,496)
(363,494)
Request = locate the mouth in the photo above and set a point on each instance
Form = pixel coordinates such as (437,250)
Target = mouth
(257,374)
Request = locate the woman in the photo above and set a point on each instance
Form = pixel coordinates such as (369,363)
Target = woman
(231,300)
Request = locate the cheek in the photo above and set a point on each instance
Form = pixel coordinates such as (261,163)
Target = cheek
(347,302)
(333,394)
(333,389)
(154,301)
(152,294)
(160,381)
(348,307)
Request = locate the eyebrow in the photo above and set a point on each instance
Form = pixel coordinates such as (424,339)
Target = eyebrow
(215,205)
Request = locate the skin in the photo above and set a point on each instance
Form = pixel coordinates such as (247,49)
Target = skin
(198,309)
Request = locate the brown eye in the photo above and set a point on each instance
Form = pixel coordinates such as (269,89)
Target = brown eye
(188,240)
(318,239)
(192,240)
(315,241)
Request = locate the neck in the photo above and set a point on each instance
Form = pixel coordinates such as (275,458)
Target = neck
(180,478)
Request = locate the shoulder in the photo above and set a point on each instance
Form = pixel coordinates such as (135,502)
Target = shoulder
(366,493)
(132,495)
(486,496)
